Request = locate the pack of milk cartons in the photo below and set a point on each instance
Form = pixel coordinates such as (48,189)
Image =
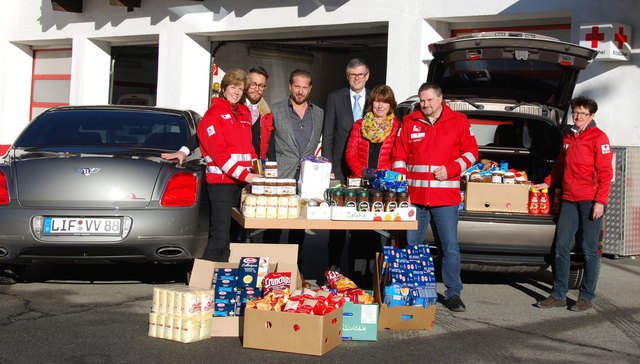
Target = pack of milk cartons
(181,314)
(410,278)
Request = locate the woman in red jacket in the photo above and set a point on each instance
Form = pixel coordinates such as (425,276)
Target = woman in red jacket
(584,169)
(369,145)
(372,137)
(224,134)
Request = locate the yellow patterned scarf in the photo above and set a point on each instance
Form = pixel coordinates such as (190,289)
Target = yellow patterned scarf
(376,131)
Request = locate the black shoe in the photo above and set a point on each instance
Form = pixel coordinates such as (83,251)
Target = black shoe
(8,277)
(455,304)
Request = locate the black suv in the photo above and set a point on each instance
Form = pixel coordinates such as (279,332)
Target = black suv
(516,89)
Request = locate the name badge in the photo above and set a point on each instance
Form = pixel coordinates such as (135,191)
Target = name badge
(417,135)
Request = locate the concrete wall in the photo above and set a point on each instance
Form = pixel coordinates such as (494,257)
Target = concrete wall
(183,29)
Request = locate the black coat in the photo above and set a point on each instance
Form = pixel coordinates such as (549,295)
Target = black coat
(338,121)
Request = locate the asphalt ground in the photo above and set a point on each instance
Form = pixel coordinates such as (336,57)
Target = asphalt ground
(99,314)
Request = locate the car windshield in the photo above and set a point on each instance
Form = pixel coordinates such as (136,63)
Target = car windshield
(512,79)
(105,128)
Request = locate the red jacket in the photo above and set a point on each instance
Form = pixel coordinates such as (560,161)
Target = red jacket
(422,147)
(357,154)
(584,166)
(225,142)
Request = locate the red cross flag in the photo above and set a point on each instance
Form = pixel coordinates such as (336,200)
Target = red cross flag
(612,41)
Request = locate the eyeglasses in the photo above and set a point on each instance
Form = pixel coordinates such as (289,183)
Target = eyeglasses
(580,114)
(357,75)
(259,86)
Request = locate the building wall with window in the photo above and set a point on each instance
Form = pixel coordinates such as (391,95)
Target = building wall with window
(185,30)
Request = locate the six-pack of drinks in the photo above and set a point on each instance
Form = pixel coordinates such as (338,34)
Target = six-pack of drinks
(408,277)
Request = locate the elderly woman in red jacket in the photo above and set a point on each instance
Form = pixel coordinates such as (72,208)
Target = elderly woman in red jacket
(372,137)
(584,169)
(369,145)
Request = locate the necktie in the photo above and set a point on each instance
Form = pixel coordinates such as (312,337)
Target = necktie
(357,110)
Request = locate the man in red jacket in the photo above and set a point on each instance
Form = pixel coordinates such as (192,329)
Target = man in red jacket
(584,167)
(435,146)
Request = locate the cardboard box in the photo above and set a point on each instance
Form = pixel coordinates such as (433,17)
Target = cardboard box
(401,317)
(360,322)
(351,214)
(284,256)
(496,197)
(315,212)
(292,332)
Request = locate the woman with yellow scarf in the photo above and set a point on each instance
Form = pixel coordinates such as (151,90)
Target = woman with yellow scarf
(369,146)
(372,137)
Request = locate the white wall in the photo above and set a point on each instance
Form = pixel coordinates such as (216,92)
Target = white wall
(184,28)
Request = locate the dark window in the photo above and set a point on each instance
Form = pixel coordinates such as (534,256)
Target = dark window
(105,128)
(512,79)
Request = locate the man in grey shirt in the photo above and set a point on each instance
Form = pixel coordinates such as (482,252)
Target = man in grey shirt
(298,127)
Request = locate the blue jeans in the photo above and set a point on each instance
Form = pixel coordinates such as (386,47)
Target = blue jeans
(572,216)
(446,221)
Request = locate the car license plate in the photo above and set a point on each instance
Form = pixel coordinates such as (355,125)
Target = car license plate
(82,226)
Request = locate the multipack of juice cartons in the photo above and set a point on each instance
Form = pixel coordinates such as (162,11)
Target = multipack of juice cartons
(181,314)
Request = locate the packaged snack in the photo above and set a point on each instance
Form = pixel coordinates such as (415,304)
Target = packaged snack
(291,306)
(276,281)
(339,281)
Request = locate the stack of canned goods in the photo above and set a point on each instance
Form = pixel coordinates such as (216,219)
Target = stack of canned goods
(365,200)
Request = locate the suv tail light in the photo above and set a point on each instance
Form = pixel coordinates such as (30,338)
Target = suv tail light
(4,189)
(181,190)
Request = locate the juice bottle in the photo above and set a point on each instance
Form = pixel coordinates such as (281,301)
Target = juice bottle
(534,201)
(545,207)
(557,201)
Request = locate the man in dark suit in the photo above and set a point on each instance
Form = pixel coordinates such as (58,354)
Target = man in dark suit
(341,112)
(344,107)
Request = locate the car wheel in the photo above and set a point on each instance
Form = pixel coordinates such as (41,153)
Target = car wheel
(576,276)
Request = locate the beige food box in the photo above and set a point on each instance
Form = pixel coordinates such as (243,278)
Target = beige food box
(401,317)
(496,197)
(292,332)
(351,214)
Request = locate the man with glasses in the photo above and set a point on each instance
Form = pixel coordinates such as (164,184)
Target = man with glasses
(341,111)
(344,107)
(260,114)
(584,169)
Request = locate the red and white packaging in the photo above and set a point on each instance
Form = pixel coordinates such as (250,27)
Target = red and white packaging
(276,281)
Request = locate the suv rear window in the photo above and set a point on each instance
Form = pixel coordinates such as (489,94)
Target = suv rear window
(532,81)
